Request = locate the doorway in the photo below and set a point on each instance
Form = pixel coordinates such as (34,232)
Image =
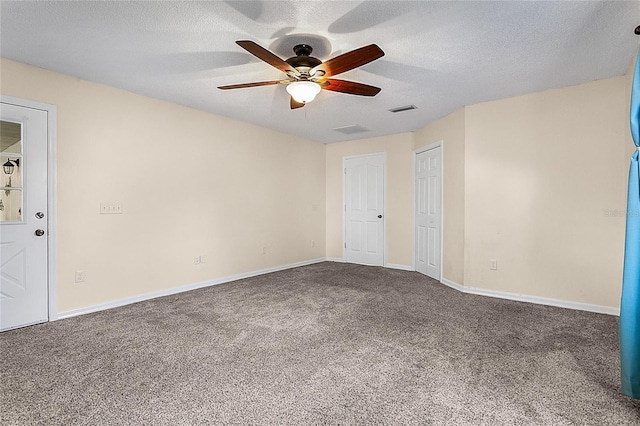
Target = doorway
(25,222)
(428,211)
(364,202)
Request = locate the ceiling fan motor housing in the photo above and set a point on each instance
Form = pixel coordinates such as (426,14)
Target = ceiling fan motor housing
(302,58)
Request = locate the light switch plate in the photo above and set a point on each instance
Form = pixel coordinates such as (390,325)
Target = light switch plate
(110,208)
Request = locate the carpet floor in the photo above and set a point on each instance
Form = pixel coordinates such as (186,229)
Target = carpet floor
(328,343)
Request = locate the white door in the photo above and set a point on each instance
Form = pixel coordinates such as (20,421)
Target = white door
(23,216)
(428,212)
(364,210)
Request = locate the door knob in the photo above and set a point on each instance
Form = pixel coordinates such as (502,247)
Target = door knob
(379,216)
(39,232)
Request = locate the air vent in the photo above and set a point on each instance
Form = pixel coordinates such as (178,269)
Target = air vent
(350,130)
(403,108)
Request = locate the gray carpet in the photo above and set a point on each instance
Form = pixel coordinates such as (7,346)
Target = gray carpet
(322,344)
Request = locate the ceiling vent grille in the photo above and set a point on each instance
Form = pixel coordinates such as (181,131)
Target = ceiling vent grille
(350,130)
(403,108)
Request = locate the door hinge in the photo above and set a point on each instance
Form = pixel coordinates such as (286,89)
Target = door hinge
(345,171)
(345,245)
(345,207)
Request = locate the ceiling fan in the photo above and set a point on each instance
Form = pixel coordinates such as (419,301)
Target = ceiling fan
(307,75)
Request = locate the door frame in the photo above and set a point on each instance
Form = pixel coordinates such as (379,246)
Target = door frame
(52,255)
(384,206)
(438,144)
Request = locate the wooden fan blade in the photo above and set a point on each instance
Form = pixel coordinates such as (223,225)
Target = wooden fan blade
(243,85)
(350,87)
(295,104)
(350,60)
(262,53)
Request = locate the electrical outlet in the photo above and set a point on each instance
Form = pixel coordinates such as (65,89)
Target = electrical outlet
(264,250)
(313,243)
(203,259)
(79,276)
(197,260)
(493,264)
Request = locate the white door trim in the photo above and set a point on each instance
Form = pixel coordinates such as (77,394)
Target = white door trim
(52,255)
(384,207)
(417,151)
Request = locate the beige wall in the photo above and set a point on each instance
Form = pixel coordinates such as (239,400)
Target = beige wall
(191,183)
(540,182)
(543,171)
(537,182)
(451,131)
(399,151)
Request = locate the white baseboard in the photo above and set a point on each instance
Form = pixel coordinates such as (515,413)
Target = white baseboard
(533,299)
(452,284)
(459,287)
(180,289)
(388,265)
(400,267)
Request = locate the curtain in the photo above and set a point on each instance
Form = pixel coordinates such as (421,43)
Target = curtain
(630,303)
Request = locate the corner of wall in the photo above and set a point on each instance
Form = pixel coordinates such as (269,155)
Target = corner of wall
(451,131)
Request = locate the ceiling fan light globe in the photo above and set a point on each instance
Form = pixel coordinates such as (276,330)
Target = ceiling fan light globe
(303,91)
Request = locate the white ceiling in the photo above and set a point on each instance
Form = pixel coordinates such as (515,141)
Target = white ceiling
(440,56)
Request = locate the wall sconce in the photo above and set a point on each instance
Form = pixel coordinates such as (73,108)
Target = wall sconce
(8,166)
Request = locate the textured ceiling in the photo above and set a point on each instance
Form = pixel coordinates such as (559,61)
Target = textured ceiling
(440,56)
